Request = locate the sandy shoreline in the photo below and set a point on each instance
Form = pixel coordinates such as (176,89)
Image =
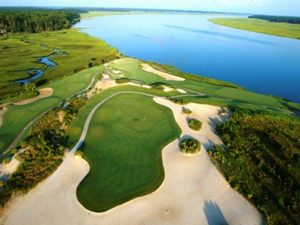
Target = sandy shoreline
(164,75)
(193,191)
(43,93)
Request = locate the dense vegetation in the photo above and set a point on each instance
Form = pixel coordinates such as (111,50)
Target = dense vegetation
(190,146)
(28,20)
(186,110)
(280,19)
(194,123)
(261,160)
(42,151)
(261,26)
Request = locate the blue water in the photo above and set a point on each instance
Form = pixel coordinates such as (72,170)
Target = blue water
(258,62)
(38,72)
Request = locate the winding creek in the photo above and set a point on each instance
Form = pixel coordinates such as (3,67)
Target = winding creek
(37,73)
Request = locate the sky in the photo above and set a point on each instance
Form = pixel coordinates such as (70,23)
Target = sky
(273,7)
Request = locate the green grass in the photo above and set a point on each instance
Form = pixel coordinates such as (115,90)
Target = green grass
(216,94)
(79,48)
(261,26)
(123,148)
(18,117)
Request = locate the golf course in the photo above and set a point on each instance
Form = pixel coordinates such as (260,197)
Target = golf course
(104,138)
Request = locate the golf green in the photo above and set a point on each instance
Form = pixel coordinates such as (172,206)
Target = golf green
(123,148)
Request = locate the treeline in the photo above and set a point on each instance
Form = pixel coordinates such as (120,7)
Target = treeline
(17,20)
(42,151)
(280,19)
(260,159)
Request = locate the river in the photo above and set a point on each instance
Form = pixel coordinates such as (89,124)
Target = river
(258,62)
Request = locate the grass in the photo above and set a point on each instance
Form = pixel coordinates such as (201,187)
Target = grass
(123,148)
(216,94)
(79,48)
(261,26)
(63,88)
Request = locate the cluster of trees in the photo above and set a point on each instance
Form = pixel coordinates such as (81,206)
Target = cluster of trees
(179,101)
(45,152)
(260,158)
(13,92)
(190,146)
(194,123)
(281,19)
(33,21)
(186,110)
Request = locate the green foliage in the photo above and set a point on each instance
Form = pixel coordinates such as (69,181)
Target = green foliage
(45,151)
(261,159)
(75,104)
(186,110)
(79,50)
(279,19)
(194,123)
(34,21)
(261,26)
(190,146)
(179,101)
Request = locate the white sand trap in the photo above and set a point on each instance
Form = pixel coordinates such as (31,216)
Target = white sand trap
(106,82)
(2,112)
(164,75)
(44,93)
(181,91)
(9,168)
(167,89)
(193,192)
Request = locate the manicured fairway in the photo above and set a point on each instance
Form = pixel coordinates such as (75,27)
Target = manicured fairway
(261,26)
(18,117)
(123,148)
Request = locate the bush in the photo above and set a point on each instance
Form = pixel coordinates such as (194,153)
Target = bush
(190,146)
(194,124)
(186,110)
(260,158)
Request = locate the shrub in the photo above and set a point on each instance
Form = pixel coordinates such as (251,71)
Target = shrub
(186,110)
(194,124)
(190,146)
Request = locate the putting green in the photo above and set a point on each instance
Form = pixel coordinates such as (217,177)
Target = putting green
(123,147)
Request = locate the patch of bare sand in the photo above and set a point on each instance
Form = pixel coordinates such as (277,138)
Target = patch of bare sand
(106,82)
(9,168)
(3,110)
(192,193)
(164,75)
(43,93)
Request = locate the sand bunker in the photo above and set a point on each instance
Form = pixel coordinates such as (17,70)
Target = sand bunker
(164,75)
(44,93)
(193,192)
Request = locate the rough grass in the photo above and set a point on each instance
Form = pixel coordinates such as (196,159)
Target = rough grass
(20,52)
(261,26)
(123,148)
